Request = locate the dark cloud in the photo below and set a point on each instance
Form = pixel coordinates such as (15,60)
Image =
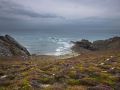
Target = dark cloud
(59,15)
(11,10)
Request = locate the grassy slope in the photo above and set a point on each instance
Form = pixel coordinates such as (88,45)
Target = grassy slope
(49,73)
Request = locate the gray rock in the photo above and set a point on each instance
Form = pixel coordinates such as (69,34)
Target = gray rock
(4,51)
(82,46)
(108,44)
(10,47)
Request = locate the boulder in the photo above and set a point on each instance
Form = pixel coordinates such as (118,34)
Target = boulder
(10,47)
(82,46)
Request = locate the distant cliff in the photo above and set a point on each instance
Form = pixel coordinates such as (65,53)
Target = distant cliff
(10,47)
(108,44)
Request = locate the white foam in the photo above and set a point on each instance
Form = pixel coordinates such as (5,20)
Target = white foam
(47,45)
(64,48)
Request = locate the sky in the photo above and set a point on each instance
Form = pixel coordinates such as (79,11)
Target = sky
(56,15)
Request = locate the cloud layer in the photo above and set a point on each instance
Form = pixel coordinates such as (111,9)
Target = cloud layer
(70,9)
(11,9)
(65,13)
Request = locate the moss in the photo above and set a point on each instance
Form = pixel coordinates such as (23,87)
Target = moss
(54,69)
(79,67)
(2,88)
(73,82)
(105,78)
(46,80)
(92,69)
(88,81)
(72,74)
(25,85)
(79,71)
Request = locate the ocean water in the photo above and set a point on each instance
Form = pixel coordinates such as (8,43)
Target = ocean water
(45,44)
(54,43)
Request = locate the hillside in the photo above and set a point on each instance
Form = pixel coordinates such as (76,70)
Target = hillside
(94,70)
(90,71)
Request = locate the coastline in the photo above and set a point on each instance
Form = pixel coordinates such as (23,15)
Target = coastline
(83,70)
(57,57)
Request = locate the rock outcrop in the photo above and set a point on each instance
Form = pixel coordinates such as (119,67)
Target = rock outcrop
(108,44)
(112,43)
(82,46)
(10,47)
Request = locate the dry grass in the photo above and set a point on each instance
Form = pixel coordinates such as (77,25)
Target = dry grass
(50,73)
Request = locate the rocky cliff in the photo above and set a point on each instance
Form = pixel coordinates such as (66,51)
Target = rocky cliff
(10,47)
(108,44)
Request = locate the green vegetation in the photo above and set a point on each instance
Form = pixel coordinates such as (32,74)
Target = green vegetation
(47,73)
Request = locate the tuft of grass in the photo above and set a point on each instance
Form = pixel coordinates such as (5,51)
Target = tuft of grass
(72,74)
(88,81)
(2,88)
(46,80)
(25,85)
(105,78)
(73,82)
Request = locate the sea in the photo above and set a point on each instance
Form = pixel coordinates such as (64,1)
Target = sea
(41,43)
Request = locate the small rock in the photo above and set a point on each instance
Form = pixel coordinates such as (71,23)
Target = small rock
(2,77)
(102,63)
(72,67)
(53,74)
(111,56)
(112,68)
(107,59)
(45,85)
(104,71)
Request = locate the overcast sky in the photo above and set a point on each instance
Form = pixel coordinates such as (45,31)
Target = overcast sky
(63,14)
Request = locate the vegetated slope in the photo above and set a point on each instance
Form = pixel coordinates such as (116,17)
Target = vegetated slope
(89,71)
